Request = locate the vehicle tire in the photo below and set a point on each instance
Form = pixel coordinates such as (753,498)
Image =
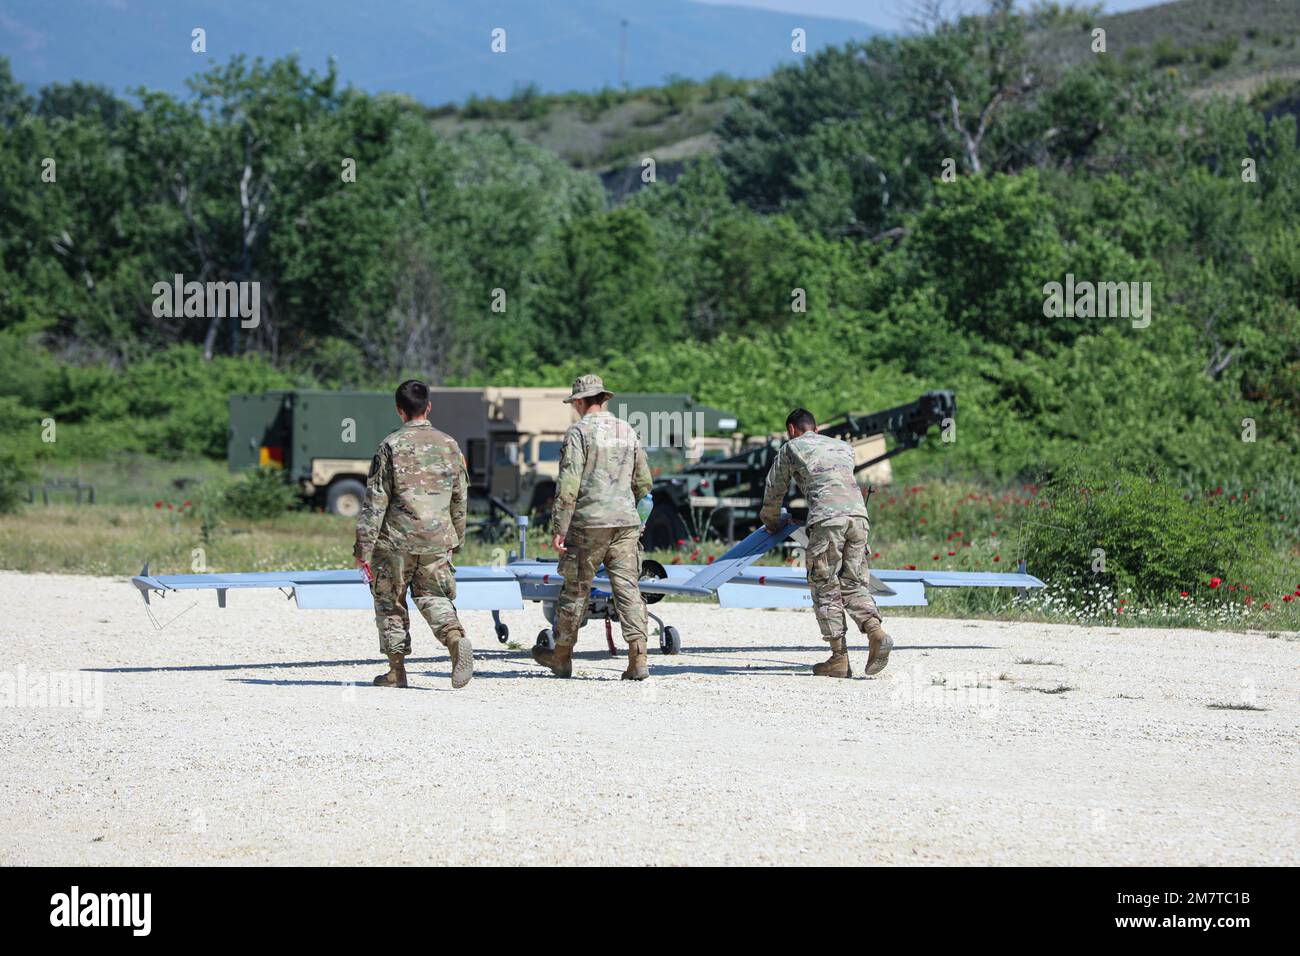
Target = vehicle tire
(664,528)
(542,506)
(652,570)
(546,639)
(346,497)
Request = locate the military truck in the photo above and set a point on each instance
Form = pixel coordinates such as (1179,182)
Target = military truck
(511,438)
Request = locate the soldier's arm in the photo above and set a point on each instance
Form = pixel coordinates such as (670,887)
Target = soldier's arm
(641,477)
(572,459)
(778,482)
(379,486)
(459,496)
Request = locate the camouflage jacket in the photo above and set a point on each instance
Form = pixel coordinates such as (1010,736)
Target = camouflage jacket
(603,473)
(415,494)
(823,469)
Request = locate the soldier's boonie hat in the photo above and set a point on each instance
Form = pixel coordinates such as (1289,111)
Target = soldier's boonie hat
(587,386)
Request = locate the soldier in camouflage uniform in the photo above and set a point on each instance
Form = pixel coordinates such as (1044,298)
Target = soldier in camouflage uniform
(837,539)
(412,523)
(603,473)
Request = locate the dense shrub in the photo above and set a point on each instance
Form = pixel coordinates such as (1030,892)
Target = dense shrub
(14,476)
(1137,532)
(258,493)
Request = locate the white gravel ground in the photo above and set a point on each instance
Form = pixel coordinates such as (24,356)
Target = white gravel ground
(239,736)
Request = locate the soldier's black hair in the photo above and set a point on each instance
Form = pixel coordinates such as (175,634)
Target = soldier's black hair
(801,420)
(413,397)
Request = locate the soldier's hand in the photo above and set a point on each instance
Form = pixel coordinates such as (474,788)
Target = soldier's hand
(558,541)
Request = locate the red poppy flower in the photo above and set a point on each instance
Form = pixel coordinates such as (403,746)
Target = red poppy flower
(997,557)
(1183,593)
(1215,582)
(158,504)
(1288,598)
(951,553)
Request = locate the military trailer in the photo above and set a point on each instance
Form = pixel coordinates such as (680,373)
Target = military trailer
(720,498)
(511,438)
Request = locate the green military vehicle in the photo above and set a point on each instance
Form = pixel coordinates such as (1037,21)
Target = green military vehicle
(511,438)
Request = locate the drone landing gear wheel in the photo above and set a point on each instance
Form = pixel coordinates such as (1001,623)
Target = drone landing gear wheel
(503,633)
(546,639)
(670,641)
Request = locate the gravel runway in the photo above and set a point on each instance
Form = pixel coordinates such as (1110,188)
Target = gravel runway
(250,735)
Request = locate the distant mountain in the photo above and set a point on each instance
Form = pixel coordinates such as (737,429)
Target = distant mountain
(437,51)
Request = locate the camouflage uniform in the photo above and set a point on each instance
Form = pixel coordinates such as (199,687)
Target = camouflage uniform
(414,517)
(603,473)
(837,527)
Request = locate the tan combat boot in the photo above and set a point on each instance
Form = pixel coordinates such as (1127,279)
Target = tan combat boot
(462,661)
(560,660)
(880,646)
(638,668)
(837,665)
(396,676)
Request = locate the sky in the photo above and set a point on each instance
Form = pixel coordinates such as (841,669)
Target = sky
(888,14)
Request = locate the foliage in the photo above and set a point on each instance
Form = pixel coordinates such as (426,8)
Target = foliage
(880,220)
(256,494)
(1137,532)
(14,475)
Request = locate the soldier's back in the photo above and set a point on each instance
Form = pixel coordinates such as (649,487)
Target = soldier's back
(823,469)
(605,497)
(426,465)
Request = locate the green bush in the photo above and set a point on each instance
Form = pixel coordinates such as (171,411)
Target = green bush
(14,477)
(260,493)
(1156,539)
(1164,52)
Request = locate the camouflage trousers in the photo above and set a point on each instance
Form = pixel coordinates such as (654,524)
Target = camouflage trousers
(432,583)
(588,548)
(837,574)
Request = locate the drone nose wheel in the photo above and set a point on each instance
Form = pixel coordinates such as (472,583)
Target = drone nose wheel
(670,641)
(546,639)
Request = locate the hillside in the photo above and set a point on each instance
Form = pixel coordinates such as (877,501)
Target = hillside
(1229,46)
(1218,45)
